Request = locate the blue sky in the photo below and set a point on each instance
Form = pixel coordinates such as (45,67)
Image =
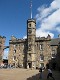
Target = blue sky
(15,13)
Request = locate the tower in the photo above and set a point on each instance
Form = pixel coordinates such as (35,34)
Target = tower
(2,43)
(31,34)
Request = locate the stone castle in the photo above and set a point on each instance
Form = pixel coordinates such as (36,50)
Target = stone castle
(33,52)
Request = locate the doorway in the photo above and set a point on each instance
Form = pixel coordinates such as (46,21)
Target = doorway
(29,65)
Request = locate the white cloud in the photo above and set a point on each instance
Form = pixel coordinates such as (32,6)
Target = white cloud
(58,29)
(55,4)
(51,21)
(24,37)
(43,33)
(49,18)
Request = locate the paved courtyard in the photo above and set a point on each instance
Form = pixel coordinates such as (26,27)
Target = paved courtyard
(24,74)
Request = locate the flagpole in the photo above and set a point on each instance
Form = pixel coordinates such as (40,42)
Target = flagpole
(31,8)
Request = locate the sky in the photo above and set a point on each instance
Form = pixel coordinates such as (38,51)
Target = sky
(15,13)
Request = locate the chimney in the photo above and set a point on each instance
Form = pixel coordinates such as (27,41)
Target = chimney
(49,37)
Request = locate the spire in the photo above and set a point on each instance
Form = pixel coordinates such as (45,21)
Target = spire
(31,8)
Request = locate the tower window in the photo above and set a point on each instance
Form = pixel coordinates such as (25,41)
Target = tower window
(29,25)
(29,31)
(29,47)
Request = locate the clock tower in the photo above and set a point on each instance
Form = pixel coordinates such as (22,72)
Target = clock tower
(31,35)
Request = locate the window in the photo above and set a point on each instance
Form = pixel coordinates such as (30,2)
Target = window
(53,54)
(29,54)
(29,31)
(41,46)
(29,25)
(29,47)
(14,50)
(14,58)
(0,57)
(41,64)
(0,47)
(0,41)
(41,57)
(14,46)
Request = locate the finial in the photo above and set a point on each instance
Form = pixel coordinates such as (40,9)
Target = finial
(31,8)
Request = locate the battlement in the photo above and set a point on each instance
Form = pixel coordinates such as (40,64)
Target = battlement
(43,38)
(31,20)
(14,39)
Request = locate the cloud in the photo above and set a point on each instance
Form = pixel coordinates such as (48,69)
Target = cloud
(58,29)
(48,19)
(24,37)
(43,33)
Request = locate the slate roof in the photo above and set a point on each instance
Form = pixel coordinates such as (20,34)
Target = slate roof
(55,41)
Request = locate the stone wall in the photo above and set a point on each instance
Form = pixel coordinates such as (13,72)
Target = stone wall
(2,46)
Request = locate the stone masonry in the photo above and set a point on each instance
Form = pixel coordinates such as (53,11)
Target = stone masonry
(32,52)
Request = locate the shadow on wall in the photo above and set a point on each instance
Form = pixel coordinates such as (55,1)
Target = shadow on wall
(54,63)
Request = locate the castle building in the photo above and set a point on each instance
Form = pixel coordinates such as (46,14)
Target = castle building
(32,52)
(2,43)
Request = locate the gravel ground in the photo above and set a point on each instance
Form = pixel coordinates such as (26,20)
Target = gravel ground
(25,74)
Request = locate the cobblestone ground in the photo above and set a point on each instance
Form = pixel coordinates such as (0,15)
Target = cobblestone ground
(24,74)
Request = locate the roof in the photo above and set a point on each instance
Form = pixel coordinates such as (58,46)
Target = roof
(55,41)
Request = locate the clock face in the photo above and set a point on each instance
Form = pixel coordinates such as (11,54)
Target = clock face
(29,31)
